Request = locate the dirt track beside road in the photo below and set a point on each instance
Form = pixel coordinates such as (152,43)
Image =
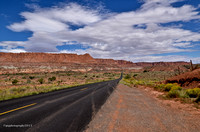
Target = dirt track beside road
(135,109)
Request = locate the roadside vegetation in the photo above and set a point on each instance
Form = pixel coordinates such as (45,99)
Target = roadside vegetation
(155,80)
(19,85)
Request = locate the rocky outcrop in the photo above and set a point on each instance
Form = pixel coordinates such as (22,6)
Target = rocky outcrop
(144,64)
(189,79)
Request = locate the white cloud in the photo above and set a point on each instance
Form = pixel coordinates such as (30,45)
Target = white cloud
(37,23)
(169,58)
(118,36)
(55,19)
(11,44)
(12,50)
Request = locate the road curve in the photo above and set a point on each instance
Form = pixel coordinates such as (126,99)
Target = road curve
(58,111)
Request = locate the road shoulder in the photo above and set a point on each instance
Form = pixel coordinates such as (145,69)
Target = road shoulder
(137,109)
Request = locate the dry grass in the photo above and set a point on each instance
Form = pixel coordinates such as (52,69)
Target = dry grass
(30,84)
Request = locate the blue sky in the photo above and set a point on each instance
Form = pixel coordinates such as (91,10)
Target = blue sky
(134,30)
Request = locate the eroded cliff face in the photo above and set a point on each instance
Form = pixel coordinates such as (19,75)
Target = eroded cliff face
(161,63)
(45,58)
(49,62)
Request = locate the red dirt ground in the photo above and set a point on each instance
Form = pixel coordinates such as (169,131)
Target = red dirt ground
(139,110)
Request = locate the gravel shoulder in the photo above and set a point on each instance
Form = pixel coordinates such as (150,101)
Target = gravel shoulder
(139,109)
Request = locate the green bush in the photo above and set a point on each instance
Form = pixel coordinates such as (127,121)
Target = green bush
(175,91)
(41,80)
(174,94)
(31,77)
(198,99)
(193,93)
(139,82)
(183,94)
(52,79)
(159,87)
(135,75)
(17,90)
(127,76)
(176,87)
(145,71)
(28,81)
(169,86)
(15,81)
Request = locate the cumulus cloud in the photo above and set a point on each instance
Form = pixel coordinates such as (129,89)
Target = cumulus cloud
(13,50)
(112,35)
(11,44)
(171,58)
(55,19)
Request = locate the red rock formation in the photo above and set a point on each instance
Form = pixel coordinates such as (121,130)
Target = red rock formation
(45,58)
(188,79)
(161,63)
(33,62)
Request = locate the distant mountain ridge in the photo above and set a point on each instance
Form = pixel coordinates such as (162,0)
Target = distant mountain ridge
(53,61)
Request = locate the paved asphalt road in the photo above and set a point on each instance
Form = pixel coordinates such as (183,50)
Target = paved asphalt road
(59,111)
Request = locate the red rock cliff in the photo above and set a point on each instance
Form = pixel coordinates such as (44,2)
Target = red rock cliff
(45,58)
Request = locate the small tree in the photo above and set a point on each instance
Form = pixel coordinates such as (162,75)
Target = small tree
(15,81)
(41,80)
(52,79)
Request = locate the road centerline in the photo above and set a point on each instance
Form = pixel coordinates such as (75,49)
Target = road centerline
(17,108)
(84,89)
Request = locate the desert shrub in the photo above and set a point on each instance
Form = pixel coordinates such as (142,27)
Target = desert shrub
(145,71)
(198,99)
(176,87)
(127,76)
(183,94)
(169,86)
(15,81)
(187,66)
(31,77)
(193,93)
(150,84)
(59,82)
(41,80)
(28,81)
(175,91)
(139,82)
(52,79)
(173,94)
(17,90)
(68,74)
(159,87)
(23,77)
(135,75)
